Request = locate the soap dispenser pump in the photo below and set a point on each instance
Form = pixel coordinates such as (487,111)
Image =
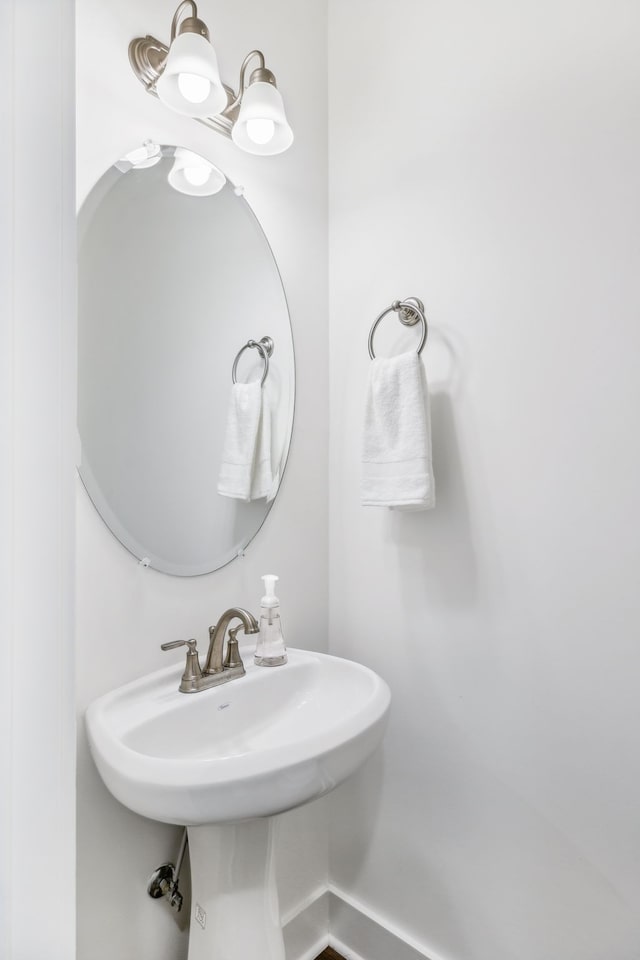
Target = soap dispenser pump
(270,649)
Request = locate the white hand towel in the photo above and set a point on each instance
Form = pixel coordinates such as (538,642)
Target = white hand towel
(261,477)
(239,450)
(396,457)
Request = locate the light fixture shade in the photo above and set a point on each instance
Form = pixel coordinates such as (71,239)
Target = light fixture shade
(191,56)
(262,107)
(195,176)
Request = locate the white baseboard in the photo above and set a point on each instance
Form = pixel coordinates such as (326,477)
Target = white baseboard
(332,918)
(306,929)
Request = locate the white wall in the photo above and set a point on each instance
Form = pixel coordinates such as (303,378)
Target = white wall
(124,611)
(486,157)
(37,400)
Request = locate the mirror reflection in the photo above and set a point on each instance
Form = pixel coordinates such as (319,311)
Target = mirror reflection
(180,296)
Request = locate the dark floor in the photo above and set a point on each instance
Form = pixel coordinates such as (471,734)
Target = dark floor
(330,954)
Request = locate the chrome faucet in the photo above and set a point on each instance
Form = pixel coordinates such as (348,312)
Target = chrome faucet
(216,669)
(214,662)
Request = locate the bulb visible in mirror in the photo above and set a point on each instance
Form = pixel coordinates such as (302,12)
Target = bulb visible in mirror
(197,176)
(193,175)
(260,129)
(193,88)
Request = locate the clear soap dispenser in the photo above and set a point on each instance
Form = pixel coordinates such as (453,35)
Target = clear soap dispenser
(270,649)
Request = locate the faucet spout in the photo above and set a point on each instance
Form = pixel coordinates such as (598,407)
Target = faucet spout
(213,663)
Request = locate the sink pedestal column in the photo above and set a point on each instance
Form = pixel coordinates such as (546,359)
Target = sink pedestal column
(234,899)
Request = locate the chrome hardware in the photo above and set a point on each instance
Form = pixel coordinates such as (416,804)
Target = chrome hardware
(410,311)
(218,668)
(192,673)
(217,633)
(233,658)
(264,346)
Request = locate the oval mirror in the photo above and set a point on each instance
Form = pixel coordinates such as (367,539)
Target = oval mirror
(173,282)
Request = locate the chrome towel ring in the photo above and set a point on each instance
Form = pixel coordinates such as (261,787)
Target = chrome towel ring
(264,347)
(410,312)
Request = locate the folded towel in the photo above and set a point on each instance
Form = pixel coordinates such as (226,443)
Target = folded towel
(396,457)
(245,471)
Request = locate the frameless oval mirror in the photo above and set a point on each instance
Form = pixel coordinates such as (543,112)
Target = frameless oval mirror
(172,285)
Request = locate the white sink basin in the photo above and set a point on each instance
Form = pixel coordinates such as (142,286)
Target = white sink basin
(261,744)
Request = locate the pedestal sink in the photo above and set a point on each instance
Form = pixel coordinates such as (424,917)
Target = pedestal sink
(224,761)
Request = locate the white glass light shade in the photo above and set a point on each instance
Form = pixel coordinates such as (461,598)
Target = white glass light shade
(192,63)
(195,176)
(261,108)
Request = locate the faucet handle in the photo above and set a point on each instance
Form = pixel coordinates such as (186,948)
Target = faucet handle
(233,658)
(172,644)
(192,672)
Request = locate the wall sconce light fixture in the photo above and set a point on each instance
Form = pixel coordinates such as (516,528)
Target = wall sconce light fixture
(185,77)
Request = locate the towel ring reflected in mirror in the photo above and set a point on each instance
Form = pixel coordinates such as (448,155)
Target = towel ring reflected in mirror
(264,346)
(410,311)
